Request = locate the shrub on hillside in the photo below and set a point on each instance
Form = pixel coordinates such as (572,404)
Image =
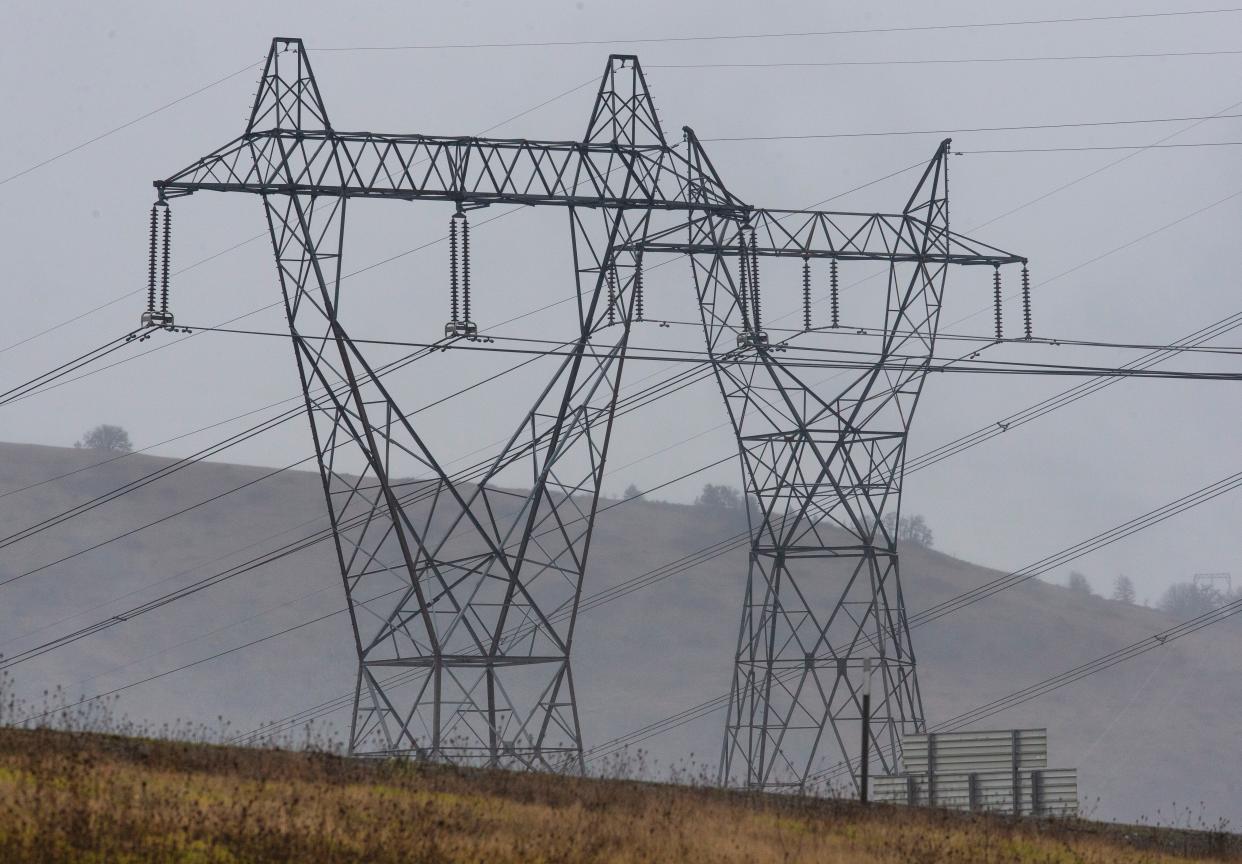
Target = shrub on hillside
(910,529)
(105,436)
(1186,600)
(1078,583)
(719,497)
(1123,589)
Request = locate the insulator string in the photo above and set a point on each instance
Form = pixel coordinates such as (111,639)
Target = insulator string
(996,296)
(151,267)
(835,298)
(610,277)
(453,268)
(164,264)
(806,292)
(743,292)
(638,286)
(1026,300)
(465,269)
(754,279)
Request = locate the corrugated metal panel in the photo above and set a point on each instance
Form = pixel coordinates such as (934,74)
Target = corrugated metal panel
(1042,792)
(971,752)
(889,788)
(1059,793)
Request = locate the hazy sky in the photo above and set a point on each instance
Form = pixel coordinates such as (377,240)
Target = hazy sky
(74,230)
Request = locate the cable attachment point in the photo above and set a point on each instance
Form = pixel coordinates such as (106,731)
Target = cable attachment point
(1026,300)
(459,278)
(161,249)
(996,298)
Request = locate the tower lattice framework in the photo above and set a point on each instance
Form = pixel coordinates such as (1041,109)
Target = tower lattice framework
(463,592)
(823,590)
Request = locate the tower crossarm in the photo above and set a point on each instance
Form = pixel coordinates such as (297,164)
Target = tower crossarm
(472,171)
(843,236)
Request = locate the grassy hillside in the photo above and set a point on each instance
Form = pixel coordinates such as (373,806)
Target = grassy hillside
(1152,738)
(85,798)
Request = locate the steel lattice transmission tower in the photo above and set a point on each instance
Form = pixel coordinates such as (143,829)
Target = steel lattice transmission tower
(463,593)
(823,591)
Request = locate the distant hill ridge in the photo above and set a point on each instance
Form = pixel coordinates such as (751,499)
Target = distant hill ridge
(645,656)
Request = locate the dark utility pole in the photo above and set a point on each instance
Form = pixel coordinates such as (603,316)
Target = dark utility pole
(866,731)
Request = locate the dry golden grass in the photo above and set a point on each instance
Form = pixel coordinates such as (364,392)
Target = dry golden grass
(78,797)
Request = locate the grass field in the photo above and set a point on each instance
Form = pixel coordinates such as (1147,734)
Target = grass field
(84,797)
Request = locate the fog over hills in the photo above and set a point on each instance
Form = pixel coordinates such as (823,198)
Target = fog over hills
(640,658)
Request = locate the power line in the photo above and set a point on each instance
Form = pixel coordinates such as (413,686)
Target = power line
(141,450)
(588,602)
(1093,147)
(1166,511)
(942,61)
(925,460)
(668,386)
(580,86)
(661,388)
(898,362)
(265,308)
(739,540)
(992,587)
(240,243)
(102,135)
(164,472)
(1051,342)
(1027,127)
(245,435)
(660,385)
(1100,170)
(1078,673)
(1042,341)
(321,538)
(45,380)
(926,616)
(262,426)
(856,31)
(1018,697)
(382,480)
(734,543)
(1068,397)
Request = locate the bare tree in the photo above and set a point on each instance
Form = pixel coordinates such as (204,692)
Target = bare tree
(910,529)
(1186,600)
(105,436)
(719,497)
(1123,589)
(632,491)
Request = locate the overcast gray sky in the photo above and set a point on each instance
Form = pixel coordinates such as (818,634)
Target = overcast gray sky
(74,230)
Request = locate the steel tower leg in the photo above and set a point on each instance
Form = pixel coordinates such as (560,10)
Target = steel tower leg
(823,592)
(463,592)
